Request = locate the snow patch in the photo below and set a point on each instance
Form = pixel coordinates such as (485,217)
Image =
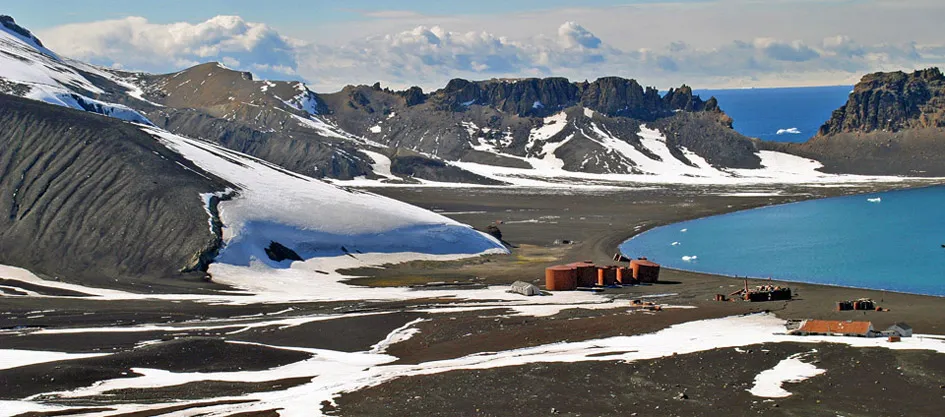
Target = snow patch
(768,384)
(376,129)
(61,97)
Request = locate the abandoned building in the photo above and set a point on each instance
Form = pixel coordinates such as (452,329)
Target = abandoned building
(759,293)
(835,328)
(849,328)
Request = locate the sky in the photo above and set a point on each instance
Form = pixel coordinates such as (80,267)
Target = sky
(330,44)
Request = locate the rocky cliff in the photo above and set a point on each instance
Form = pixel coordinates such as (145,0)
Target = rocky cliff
(612,96)
(892,102)
(892,124)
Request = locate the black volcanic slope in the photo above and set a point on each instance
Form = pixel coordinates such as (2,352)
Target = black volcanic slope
(89,199)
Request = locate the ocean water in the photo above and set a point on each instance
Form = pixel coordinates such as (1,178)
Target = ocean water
(889,241)
(796,112)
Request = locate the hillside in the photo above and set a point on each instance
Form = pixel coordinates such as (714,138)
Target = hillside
(89,199)
(96,193)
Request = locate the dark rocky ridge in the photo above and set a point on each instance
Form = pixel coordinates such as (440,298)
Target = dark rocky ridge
(892,102)
(90,199)
(540,97)
(452,122)
(892,124)
(9,23)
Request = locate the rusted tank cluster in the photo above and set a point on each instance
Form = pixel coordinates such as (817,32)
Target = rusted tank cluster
(586,274)
(861,304)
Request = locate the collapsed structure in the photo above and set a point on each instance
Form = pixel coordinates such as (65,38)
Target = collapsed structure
(759,293)
(586,274)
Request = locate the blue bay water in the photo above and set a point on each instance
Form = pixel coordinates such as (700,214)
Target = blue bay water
(894,244)
(761,112)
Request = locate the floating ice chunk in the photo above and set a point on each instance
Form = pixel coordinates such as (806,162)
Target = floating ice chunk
(875,200)
(675,243)
(789,131)
(689,258)
(684,230)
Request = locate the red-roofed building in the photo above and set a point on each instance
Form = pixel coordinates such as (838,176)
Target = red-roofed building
(835,328)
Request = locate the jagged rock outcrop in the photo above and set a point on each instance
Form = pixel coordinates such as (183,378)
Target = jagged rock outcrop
(892,102)
(892,124)
(540,97)
(90,199)
(9,23)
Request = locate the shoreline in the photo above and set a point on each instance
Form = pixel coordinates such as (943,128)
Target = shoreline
(775,278)
(603,240)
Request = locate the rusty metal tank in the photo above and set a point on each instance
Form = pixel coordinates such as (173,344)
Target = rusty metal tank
(606,275)
(586,273)
(561,278)
(625,275)
(645,270)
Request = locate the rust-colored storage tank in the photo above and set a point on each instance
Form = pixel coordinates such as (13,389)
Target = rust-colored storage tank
(586,273)
(606,275)
(560,278)
(625,276)
(645,271)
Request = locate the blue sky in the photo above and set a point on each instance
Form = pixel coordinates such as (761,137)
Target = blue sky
(329,44)
(290,15)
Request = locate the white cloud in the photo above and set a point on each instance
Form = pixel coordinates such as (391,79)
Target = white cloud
(430,55)
(135,43)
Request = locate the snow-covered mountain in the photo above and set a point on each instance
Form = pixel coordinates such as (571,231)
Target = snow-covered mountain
(28,69)
(511,131)
(119,202)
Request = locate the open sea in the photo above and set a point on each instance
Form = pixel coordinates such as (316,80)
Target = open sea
(796,113)
(888,241)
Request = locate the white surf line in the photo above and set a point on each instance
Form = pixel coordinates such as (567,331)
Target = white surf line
(769,383)
(339,372)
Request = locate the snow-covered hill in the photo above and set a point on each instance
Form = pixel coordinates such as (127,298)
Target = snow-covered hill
(28,69)
(315,219)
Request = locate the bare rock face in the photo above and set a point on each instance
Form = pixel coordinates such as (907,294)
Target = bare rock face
(539,97)
(892,124)
(892,102)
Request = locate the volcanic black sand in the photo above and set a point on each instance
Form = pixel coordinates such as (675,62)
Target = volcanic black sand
(858,382)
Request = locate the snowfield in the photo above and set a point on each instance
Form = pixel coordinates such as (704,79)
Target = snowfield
(333,373)
(54,80)
(317,219)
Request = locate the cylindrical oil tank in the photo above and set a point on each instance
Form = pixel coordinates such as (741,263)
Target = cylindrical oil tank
(606,275)
(625,275)
(586,273)
(560,278)
(645,271)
